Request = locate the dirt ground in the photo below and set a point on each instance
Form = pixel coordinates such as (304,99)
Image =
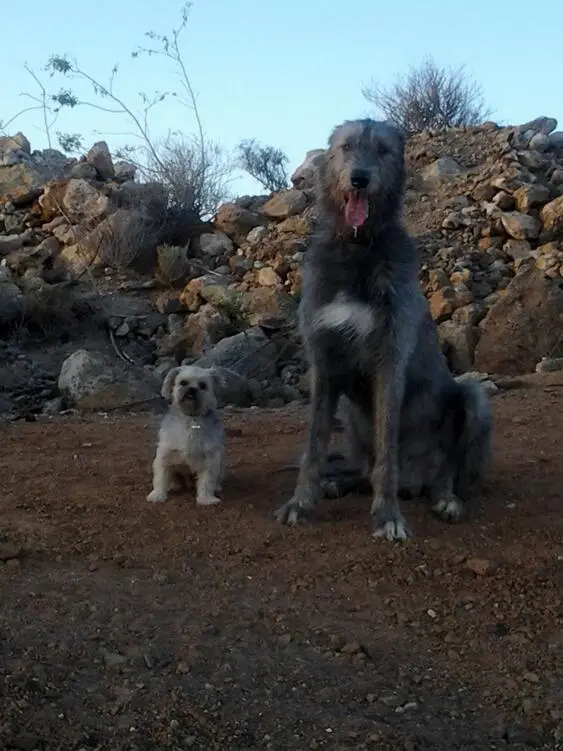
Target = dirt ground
(127,625)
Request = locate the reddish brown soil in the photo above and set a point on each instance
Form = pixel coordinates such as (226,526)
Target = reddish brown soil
(125,625)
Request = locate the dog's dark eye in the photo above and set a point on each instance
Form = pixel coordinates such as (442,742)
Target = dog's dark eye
(183,383)
(202,385)
(382,149)
(346,146)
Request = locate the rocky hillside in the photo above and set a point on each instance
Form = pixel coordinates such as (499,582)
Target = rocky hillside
(92,259)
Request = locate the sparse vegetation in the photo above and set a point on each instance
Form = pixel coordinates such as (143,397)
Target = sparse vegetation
(430,97)
(195,170)
(266,164)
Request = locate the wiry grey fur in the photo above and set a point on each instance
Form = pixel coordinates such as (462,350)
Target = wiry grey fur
(371,342)
(191,439)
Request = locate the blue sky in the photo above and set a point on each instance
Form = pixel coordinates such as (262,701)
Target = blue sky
(282,72)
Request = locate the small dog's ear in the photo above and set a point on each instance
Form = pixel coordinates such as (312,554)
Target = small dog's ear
(168,383)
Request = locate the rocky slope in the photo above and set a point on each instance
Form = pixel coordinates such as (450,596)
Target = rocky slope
(91,259)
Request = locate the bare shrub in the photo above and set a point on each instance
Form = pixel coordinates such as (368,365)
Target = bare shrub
(49,310)
(193,169)
(430,97)
(266,164)
(126,239)
(173,264)
(196,181)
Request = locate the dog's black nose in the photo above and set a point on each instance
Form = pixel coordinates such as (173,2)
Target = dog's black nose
(359,179)
(191,392)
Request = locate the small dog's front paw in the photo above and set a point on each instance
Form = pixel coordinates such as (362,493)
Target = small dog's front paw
(208,500)
(450,508)
(292,512)
(156,496)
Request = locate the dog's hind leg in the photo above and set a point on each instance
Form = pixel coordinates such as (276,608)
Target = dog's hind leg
(444,502)
(308,491)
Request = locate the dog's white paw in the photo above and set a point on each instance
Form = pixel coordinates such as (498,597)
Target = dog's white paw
(208,500)
(291,512)
(156,496)
(451,508)
(396,529)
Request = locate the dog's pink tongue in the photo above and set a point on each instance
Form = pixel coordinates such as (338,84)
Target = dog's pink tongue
(356,210)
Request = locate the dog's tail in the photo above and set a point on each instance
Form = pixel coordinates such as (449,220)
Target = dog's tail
(474,437)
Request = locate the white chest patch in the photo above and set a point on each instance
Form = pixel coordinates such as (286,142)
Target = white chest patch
(347,317)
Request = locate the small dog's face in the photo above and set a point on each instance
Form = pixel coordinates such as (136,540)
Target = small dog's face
(191,389)
(364,161)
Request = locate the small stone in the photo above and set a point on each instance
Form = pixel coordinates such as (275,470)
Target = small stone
(521,226)
(517,249)
(442,169)
(267,277)
(549,365)
(216,244)
(256,235)
(529,196)
(431,613)
(10,551)
(113,659)
(552,214)
(531,677)
(540,142)
(479,566)
(351,648)
(442,304)
(285,639)
(453,221)
(504,200)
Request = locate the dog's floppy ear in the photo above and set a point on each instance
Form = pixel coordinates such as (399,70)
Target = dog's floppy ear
(168,383)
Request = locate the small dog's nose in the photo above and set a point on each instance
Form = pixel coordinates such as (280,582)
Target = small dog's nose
(191,391)
(359,179)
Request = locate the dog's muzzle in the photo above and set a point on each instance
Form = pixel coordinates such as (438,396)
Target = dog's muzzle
(357,205)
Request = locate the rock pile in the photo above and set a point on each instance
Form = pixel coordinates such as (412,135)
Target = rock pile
(485,205)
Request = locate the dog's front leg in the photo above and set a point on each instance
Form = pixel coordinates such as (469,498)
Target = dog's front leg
(388,390)
(308,491)
(162,476)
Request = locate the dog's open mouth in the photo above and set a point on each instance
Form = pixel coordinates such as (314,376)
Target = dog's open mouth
(356,211)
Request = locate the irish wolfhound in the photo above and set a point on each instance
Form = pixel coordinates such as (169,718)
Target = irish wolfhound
(371,342)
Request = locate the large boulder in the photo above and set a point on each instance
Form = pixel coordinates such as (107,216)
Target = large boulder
(523,326)
(23,174)
(236,222)
(89,382)
(304,176)
(250,354)
(99,157)
(285,204)
(82,374)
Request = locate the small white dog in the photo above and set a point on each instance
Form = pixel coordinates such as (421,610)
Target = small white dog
(191,439)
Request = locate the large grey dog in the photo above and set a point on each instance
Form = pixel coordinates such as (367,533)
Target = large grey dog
(371,342)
